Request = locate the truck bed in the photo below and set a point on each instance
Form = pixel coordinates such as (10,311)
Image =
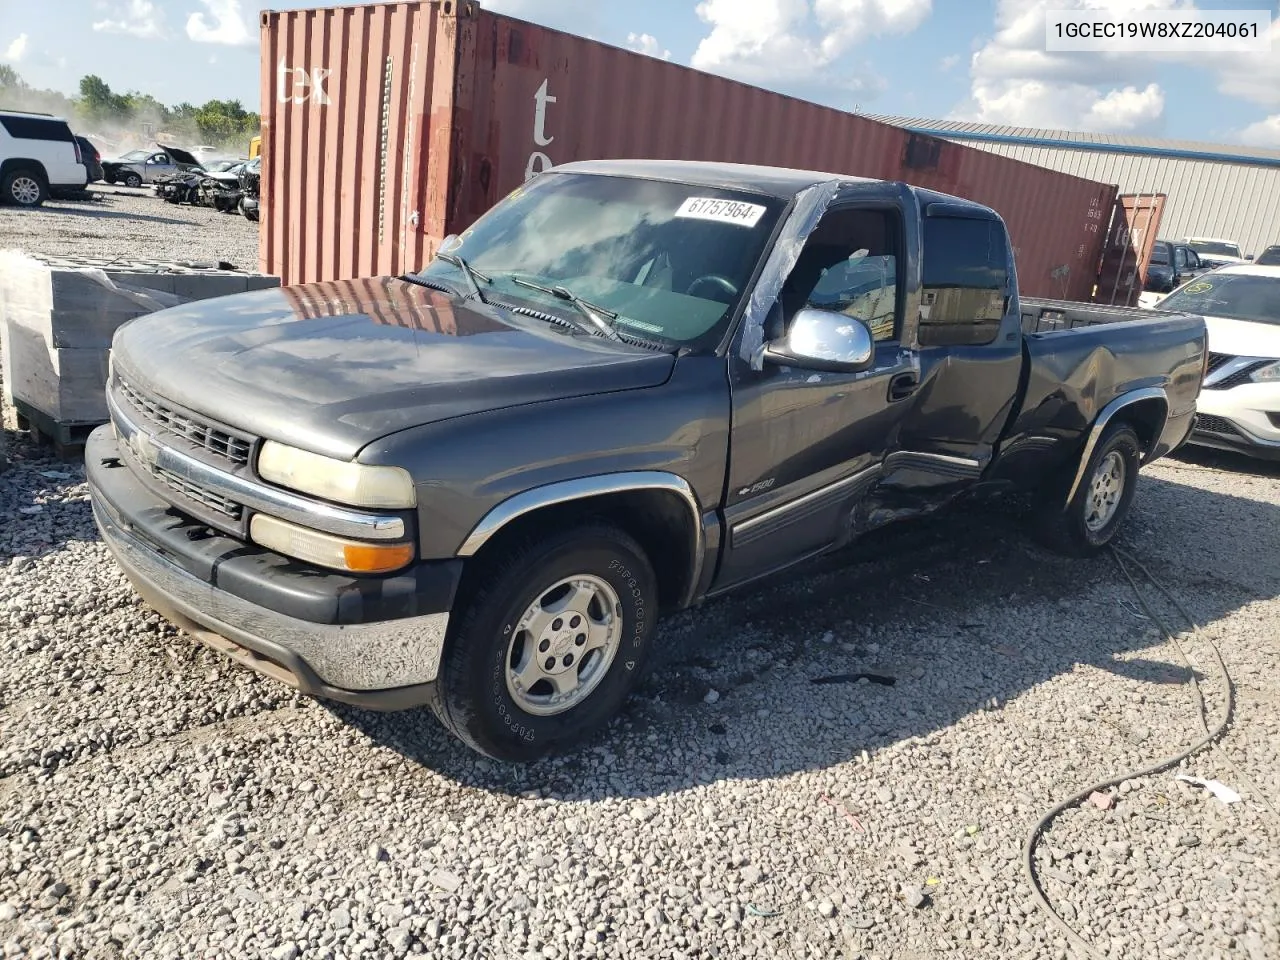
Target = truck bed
(1080,357)
(1048,316)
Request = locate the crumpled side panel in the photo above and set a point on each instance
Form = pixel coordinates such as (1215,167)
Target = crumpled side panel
(811,204)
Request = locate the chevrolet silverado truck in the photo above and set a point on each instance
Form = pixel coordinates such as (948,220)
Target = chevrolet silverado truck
(628,387)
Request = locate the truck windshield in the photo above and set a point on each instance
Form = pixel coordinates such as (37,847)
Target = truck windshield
(1214,247)
(1237,296)
(671,260)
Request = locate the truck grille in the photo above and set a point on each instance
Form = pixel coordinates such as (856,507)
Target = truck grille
(202,433)
(197,493)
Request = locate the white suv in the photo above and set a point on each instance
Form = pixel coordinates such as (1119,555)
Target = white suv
(38,155)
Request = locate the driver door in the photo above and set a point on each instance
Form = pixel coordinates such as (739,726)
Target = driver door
(807,444)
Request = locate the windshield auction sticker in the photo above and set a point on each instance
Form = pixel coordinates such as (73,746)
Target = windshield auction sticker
(722,211)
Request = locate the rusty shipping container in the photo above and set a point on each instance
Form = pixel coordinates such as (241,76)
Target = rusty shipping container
(388,126)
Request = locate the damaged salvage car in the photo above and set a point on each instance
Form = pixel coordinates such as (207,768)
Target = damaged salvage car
(250,183)
(220,187)
(628,387)
(190,185)
(137,167)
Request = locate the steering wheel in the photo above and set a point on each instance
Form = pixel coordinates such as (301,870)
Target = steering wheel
(724,284)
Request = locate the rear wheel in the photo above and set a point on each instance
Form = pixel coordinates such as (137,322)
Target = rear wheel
(26,188)
(1102,501)
(544,653)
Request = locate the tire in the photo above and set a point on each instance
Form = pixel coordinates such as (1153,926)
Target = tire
(132,180)
(508,626)
(109,177)
(24,188)
(1096,512)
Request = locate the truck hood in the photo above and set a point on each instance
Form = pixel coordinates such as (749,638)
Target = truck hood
(331,367)
(1243,338)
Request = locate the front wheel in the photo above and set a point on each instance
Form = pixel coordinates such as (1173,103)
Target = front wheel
(132,180)
(1102,501)
(25,188)
(546,650)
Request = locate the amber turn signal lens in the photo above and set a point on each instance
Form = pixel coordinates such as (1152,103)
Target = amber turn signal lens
(326,550)
(376,558)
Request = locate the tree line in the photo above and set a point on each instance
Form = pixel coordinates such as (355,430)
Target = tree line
(217,122)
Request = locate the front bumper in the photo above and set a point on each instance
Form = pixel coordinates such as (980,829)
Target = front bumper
(1242,419)
(374,642)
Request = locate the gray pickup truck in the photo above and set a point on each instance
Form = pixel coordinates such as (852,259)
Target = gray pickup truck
(628,387)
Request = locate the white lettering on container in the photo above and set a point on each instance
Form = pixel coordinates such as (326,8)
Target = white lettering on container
(300,85)
(539,161)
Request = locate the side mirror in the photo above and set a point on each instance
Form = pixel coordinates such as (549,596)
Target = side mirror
(1248,256)
(824,340)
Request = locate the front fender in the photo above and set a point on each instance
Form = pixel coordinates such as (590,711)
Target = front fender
(467,467)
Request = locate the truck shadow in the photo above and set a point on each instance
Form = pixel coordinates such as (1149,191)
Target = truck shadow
(903,634)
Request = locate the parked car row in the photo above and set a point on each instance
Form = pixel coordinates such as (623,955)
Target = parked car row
(229,186)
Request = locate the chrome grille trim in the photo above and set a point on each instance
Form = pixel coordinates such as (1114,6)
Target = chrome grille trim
(199,494)
(152,453)
(205,434)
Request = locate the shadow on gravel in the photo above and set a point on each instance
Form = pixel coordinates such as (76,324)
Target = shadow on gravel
(99,214)
(1227,461)
(909,603)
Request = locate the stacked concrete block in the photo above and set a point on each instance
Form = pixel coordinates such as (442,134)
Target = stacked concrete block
(58,315)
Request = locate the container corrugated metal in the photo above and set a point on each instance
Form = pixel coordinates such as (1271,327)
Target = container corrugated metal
(388,126)
(1207,198)
(1135,225)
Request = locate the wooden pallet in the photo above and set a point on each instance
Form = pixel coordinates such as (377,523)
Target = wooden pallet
(66,439)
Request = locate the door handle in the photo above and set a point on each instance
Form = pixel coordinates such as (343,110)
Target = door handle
(902,385)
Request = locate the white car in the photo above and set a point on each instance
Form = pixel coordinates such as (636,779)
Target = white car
(39,156)
(1239,405)
(1216,252)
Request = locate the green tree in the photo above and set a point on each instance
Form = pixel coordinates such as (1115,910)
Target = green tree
(9,79)
(97,99)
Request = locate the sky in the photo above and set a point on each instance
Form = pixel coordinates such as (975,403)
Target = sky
(978,60)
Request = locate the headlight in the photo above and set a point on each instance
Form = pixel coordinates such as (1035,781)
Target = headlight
(356,484)
(325,550)
(1268,374)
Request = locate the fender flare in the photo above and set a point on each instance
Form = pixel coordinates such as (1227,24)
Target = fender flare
(582,488)
(1105,415)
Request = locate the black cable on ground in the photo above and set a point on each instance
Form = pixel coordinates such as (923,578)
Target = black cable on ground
(1029,848)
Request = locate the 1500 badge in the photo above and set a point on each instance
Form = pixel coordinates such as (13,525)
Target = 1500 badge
(760,487)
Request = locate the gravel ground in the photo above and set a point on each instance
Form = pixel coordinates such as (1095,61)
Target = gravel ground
(119,222)
(159,801)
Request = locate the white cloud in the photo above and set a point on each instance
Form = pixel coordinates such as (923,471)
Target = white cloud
(648,45)
(139,18)
(770,41)
(15,51)
(1264,133)
(228,25)
(1014,80)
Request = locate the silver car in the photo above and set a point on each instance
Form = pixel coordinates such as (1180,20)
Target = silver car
(137,167)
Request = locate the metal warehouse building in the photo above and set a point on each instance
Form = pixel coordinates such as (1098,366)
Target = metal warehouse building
(1213,190)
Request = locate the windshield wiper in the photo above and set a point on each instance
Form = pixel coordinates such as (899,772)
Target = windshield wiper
(473,275)
(429,284)
(593,312)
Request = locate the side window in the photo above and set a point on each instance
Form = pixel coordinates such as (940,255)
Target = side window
(964,283)
(36,128)
(849,265)
(1179,258)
